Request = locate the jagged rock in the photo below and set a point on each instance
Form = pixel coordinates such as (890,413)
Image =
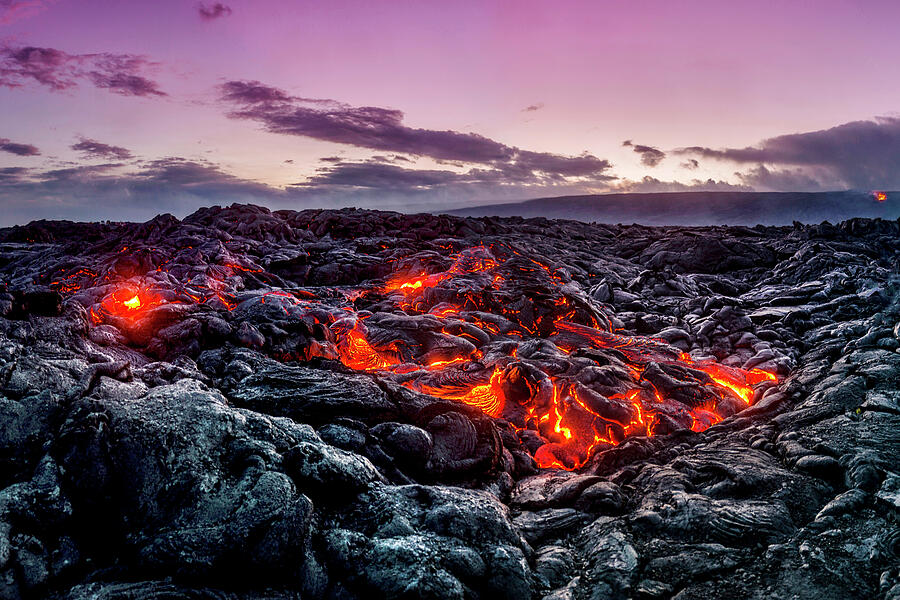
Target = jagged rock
(282,418)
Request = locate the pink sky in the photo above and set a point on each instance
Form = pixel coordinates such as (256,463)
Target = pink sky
(717,76)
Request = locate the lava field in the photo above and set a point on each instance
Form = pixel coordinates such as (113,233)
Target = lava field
(355,404)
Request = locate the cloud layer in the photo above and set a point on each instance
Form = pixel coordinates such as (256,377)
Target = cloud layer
(18,149)
(123,74)
(16,10)
(650,156)
(116,190)
(859,155)
(649,184)
(213,11)
(383,129)
(94,149)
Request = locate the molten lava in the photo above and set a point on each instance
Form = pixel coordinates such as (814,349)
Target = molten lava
(126,303)
(880,196)
(133,302)
(512,354)
(488,397)
(356,352)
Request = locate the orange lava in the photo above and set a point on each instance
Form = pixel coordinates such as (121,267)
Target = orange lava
(488,397)
(356,352)
(703,418)
(127,303)
(573,417)
(738,381)
(880,196)
(575,420)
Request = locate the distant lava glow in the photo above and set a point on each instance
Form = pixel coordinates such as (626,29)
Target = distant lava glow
(880,196)
(544,362)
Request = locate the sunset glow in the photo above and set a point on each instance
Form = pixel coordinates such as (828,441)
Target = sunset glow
(431,107)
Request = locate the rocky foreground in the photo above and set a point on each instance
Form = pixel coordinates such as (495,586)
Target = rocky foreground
(354,404)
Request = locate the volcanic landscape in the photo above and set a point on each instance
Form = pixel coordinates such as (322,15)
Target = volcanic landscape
(357,404)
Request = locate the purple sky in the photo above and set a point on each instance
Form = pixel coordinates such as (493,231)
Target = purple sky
(123,109)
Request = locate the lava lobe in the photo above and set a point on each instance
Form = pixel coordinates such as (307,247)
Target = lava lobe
(487,326)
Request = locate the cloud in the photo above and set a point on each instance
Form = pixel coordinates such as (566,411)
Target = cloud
(650,184)
(784,179)
(94,149)
(859,154)
(650,156)
(18,149)
(122,74)
(140,190)
(383,130)
(533,107)
(690,164)
(12,174)
(212,12)
(376,174)
(119,191)
(16,10)
(256,93)
(381,173)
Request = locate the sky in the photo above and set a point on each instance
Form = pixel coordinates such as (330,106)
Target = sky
(124,109)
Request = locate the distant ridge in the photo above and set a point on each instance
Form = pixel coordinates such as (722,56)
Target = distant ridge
(701,208)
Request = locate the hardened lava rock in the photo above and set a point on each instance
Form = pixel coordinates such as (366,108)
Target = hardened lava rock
(353,404)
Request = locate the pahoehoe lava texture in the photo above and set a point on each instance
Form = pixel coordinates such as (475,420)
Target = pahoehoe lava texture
(355,404)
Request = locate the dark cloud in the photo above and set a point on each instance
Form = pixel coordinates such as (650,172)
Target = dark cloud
(213,11)
(390,186)
(12,174)
(377,173)
(18,149)
(690,164)
(192,174)
(381,175)
(94,149)
(256,93)
(533,107)
(70,175)
(383,130)
(138,191)
(783,179)
(16,10)
(364,126)
(650,156)
(651,184)
(393,158)
(122,74)
(118,191)
(46,66)
(859,154)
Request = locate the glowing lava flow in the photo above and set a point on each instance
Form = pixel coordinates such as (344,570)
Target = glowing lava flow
(126,303)
(488,397)
(576,421)
(356,352)
(739,381)
(633,385)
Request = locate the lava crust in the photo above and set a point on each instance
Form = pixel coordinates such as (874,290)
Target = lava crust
(358,404)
